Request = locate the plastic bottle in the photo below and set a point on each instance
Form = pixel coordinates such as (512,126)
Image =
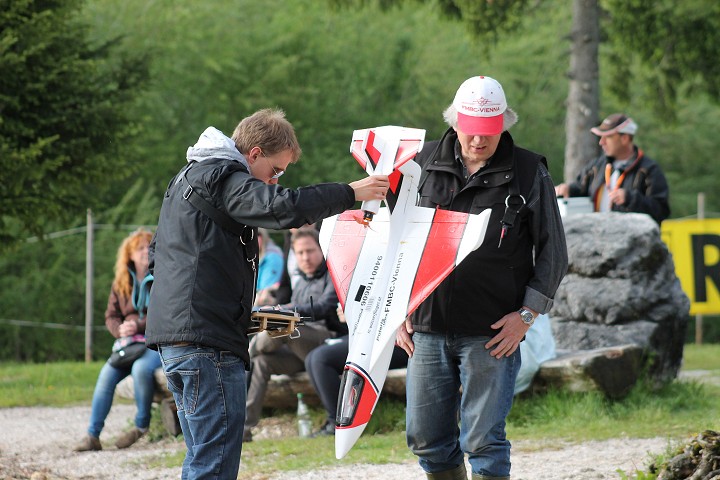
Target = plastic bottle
(303,418)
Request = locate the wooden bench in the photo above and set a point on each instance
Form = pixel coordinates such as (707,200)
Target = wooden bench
(612,371)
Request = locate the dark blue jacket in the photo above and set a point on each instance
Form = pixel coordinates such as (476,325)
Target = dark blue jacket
(204,280)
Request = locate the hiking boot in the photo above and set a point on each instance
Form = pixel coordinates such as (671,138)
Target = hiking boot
(88,444)
(327,429)
(247,436)
(129,437)
(457,473)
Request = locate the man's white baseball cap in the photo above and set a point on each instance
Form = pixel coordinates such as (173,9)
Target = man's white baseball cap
(480,104)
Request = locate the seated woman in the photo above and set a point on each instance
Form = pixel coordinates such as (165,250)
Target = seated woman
(125,317)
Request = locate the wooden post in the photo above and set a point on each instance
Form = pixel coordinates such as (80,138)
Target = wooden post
(88,287)
(699,317)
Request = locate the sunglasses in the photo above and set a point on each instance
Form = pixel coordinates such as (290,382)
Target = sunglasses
(277,174)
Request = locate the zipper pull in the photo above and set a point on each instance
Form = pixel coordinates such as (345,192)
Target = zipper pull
(503,231)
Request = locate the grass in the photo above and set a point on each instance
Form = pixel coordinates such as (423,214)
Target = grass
(676,411)
(701,357)
(47,384)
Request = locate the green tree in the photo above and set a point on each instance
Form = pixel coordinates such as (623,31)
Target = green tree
(63,114)
(332,73)
(677,43)
(666,44)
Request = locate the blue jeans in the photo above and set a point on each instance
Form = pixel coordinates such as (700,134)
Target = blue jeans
(143,384)
(440,365)
(208,385)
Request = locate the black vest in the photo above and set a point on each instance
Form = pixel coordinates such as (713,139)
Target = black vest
(491,281)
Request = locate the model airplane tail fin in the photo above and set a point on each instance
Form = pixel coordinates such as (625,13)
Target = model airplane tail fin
(382,151)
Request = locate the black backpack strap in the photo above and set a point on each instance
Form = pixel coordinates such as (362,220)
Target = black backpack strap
(245,233)
(217,216)
(519,190)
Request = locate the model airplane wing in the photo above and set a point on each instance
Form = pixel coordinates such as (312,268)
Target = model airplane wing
(433,242)
(383,272)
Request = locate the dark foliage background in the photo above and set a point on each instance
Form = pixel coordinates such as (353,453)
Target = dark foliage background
(100,99)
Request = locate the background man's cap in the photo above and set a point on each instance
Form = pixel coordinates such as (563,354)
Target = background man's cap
(615,123)
(480,104)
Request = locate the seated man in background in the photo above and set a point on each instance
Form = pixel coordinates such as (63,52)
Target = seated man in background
(314,298)
(290,273)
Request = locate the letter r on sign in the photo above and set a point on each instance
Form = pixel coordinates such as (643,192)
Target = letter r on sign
(701,270)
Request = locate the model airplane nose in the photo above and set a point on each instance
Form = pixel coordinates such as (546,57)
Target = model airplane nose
(345,438)
(357,399)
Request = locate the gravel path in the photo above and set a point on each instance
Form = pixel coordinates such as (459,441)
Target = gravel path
(36,444)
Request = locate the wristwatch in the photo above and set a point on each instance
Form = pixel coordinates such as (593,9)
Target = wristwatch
(527,316)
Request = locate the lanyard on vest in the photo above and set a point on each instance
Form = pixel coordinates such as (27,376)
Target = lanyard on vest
(608,183)
(245,233)
(609,169)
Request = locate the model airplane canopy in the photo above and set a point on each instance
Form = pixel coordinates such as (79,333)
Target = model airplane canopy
(384,263)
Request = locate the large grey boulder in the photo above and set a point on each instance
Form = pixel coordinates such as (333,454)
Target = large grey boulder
(621,288)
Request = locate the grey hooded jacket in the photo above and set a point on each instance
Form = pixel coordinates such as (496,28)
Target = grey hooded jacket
(204,280)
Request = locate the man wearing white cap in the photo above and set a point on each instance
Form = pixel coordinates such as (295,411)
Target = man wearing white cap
(467,333)
(623,178)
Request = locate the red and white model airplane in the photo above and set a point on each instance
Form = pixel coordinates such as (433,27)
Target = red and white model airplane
(384,262)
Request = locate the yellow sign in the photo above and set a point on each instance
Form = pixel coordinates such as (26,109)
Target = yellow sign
(695,247)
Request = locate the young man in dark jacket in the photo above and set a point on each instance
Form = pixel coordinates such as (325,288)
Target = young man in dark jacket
(467,332)
(204,259)
(623,178)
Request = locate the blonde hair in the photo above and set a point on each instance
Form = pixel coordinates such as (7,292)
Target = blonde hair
(122,284)
(269,130)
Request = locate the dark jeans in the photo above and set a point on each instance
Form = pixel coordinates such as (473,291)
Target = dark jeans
(325,365)
(440,365)
(208,385)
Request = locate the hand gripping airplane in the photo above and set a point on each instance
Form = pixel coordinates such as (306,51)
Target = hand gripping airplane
(384,262)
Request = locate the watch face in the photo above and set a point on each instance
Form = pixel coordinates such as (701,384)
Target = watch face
(526,316)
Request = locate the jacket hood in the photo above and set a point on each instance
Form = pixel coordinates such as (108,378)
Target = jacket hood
(214,144)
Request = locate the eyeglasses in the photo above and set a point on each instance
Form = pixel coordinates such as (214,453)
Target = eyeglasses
(277,174)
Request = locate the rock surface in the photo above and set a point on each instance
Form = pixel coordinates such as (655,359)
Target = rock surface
(621,288)
(612,371)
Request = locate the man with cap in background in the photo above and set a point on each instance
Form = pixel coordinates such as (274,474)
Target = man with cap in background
(622,179)
(467,333)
